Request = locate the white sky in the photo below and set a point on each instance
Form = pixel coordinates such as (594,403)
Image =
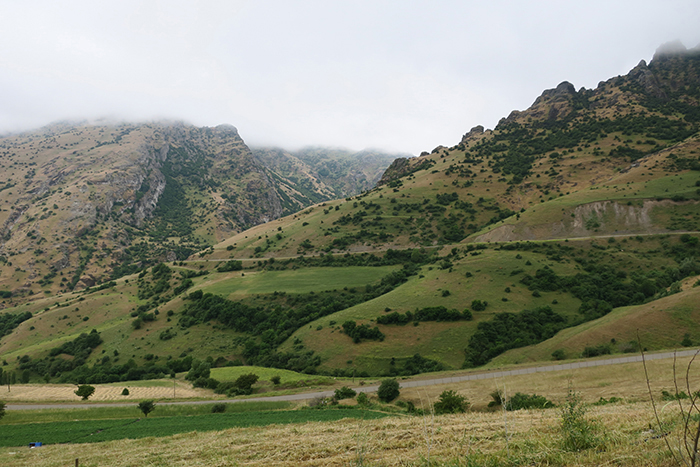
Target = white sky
(395,75)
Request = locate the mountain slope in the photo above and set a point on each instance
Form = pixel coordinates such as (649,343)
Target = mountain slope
(88,202)
(578,210)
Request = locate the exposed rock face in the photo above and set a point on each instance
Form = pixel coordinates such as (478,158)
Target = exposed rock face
(476,131)
(597,218)
(91,190)
(397,169)
(646,79)
(552,104)
(562,93)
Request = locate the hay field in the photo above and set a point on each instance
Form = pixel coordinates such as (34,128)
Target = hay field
(467,439)
(103,392)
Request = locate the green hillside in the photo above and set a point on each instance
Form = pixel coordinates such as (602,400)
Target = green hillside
(557,232)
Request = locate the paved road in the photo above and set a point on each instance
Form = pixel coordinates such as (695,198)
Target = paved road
(404,384)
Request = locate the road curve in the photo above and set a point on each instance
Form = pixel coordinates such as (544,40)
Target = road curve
(404,384)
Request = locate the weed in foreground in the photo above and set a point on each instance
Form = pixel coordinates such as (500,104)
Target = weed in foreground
(684,449)
(578,432)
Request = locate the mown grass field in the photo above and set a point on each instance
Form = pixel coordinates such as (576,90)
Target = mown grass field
(454,440)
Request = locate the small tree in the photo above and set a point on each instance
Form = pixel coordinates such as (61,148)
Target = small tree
(345,393)
(2,409)
(451,402)
(244,383)
(388,390)
(146,407)
(85,391)
(125,392)
(199,369)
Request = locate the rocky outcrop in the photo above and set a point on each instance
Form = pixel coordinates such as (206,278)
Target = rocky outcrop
(474,132)
(552,104)
(397,169)
(643,76)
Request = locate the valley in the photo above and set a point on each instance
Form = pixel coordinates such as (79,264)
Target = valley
(569,232)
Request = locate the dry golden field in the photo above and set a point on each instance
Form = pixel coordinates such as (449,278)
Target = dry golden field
(103,392)
(475,438)
(478,438)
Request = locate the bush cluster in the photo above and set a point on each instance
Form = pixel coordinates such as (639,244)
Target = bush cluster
(433,313)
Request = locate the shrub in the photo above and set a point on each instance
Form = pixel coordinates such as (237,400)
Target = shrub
(245,382)
(362,399)
(232,265)
(687,342)
(451,402)
(147,407)
(497,397)
(578,433)
(528,401)
(594,351)
(559,354)
(125,392)
(478,305)
(218,408)
(85,391)
(276,380)
(199,369)
(388,390)
(345,393)
(2,409)
(241,387)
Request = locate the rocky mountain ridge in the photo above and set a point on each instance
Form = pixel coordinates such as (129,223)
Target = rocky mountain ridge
(85,202)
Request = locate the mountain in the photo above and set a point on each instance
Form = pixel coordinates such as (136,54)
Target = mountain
(550,236)
(87,202)
(341,172)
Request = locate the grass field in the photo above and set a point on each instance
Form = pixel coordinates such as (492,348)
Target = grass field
(299,281)
(231,373)
(490,275)
(95,431)
(16,417)
(523,438)
(657,325)
(473,439)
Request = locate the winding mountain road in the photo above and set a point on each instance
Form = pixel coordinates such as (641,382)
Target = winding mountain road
(405,384)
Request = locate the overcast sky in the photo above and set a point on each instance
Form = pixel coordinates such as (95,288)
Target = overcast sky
(395,75)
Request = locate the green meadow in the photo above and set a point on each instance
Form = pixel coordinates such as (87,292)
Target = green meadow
(298,281)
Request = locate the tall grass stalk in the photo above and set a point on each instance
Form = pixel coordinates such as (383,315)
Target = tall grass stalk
(504,405)
(428,426)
